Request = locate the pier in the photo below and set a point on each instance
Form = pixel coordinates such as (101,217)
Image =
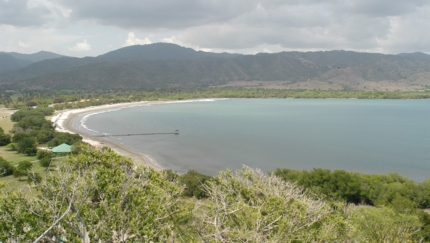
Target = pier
(176,132)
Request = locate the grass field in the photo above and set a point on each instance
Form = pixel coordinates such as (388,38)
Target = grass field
(5,121)
(14,158)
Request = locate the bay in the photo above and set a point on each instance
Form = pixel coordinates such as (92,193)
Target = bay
(369,136)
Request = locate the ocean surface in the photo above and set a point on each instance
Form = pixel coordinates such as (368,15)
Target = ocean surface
(370,136)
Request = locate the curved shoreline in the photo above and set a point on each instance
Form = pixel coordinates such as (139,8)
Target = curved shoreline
(63,123)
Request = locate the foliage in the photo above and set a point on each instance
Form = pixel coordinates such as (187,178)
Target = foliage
(42,153)
(22,169)
(5,167)
(390,190)
(61,137)
(5,139)
(383,225)
(97,196)
(30,112)
(248,206)
(45,162)
(34,178)
(194,184)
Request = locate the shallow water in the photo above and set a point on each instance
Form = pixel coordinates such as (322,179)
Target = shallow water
(371,136)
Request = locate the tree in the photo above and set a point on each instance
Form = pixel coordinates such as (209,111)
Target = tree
(249,206)
(30,151)
(34,178)
(97,196)
(41,153)
(22,169)
(5,139)
(194,184)
(371,224)
(45,162)
(5,167)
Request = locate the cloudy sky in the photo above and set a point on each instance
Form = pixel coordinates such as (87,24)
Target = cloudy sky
(93,27)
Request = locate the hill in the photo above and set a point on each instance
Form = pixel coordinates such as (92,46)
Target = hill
(35,57)
(169,65)
(8,62)
(12,60)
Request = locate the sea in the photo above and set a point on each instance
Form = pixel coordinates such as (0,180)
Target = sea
(368,136)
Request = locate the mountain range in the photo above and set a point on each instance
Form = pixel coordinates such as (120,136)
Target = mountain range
(168,65)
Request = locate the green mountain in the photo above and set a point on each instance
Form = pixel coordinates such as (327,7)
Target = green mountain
(8,62)
(35,57)
(169,65)
(157,51)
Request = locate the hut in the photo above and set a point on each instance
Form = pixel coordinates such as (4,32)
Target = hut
(63,148)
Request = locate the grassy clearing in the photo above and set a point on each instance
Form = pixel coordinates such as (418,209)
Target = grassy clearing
(5,121)
(14,158)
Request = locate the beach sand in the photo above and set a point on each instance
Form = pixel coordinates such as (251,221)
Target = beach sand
(63,123)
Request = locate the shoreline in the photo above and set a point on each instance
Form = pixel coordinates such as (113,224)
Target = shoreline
(63,123)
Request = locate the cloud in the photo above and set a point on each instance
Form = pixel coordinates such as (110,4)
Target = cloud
(133,40)
(223,25)
(23,45)
(22,13)
(80,47)
(17,13)
(159,14)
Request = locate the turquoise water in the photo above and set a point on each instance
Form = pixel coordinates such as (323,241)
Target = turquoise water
(371,136)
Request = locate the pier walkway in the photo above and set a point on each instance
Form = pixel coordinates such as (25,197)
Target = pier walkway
(136,134)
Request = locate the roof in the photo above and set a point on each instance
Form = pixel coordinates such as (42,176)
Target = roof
(63,148)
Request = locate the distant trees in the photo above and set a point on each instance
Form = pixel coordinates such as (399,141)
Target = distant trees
(5,139)
(194,184)
(398,193)
(25,143)
(32,128)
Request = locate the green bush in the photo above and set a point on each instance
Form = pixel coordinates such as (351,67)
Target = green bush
(5,139)
(5,168)
(45,162)
(194,182)
(23,168)
(34,178)
(44,154)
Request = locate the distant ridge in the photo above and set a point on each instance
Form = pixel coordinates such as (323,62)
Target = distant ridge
(157,51)
(165,65)
(415,54)
(35,57)
(10,61)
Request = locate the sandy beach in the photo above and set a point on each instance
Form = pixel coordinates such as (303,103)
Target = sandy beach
(63,123)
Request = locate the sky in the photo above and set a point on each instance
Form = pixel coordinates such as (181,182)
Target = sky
(93,27)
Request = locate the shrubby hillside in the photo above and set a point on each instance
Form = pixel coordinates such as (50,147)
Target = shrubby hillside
(99,196)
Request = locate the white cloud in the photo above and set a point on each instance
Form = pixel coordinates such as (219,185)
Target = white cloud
(82,46)
(23,45)
(172,40)
(133,40)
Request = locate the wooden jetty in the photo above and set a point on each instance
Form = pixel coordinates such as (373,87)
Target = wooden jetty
(176,132)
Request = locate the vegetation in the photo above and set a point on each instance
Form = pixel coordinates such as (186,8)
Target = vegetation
(5,167)
(101,196)
(72,99)
(164,65)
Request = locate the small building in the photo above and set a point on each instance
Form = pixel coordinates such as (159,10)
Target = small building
(63,148)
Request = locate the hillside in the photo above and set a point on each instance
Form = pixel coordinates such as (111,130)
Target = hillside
(169,65)
(12,61)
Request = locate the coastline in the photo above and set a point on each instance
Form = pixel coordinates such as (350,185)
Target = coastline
(63,123)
